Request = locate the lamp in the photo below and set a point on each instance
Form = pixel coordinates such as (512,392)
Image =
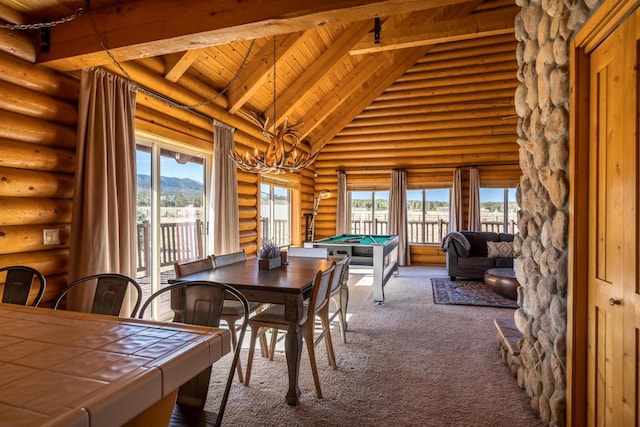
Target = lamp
(323,194)
(276,158)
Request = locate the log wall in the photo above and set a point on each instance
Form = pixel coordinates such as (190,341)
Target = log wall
(38,116)
(453,108)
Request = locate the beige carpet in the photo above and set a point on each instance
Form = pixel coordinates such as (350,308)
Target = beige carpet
(408,362)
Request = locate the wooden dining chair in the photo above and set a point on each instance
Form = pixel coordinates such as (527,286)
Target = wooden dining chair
(232,312)
(226,259)
(274,318)
(339,294)
(203,305)
(110,290)
(294,251)
(18,283)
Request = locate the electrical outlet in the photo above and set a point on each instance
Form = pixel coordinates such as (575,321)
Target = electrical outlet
(50,236)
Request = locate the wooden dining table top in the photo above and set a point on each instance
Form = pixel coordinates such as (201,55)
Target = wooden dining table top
(65,368)
(295,277)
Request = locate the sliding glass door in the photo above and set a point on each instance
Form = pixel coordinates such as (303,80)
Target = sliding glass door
(171,212)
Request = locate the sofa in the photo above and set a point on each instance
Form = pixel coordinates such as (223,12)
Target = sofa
(471,253)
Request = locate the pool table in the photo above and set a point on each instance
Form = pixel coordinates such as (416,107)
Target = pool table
(377,251)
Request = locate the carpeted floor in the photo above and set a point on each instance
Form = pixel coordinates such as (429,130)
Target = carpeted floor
(467,292)
(408,362)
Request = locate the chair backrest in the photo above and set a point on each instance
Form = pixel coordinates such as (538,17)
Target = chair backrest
(320,292)
(110,290)
(18,283)
(342,267)
(185,268)
(203,306)
(226,259)
(182,269)
(308,252)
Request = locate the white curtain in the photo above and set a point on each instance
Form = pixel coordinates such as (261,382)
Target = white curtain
(398,214)
(224,192)
(455,202)
(103,228)
(342,222)
(474,200)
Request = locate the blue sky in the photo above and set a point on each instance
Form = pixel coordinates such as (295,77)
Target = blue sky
(170,167)
(486,195)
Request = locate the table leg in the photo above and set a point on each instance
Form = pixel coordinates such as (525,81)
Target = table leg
(159,414)
(293,347)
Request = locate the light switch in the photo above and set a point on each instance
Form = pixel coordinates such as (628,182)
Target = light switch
(51,236)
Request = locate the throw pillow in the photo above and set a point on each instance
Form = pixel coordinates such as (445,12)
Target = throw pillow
(500,249)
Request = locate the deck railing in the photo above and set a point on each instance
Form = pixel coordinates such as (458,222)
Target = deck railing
(280,233)
(183,240)
(178,241)
(427,232)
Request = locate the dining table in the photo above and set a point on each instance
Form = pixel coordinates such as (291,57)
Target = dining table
(289,284)
(65,368)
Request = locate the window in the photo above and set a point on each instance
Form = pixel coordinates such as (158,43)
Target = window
(171,212)
(275,214)
(498,210)
(428,215)
(369,212)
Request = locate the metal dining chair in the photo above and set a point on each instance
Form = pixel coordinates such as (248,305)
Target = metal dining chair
(274,318)
(203,305)
(110,290)
(232,311)
(18,283)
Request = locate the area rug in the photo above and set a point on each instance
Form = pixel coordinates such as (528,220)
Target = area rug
(467,292)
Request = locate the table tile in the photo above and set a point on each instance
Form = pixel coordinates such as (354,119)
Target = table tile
(130,345)
(101,365)
(51,355)
(10,372)
(47,392)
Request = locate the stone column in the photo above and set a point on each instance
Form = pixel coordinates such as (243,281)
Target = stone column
(543,29)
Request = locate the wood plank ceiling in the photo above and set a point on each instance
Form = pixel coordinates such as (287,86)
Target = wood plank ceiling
(331,75)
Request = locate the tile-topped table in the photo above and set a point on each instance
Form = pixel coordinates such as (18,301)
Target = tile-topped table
(62,368)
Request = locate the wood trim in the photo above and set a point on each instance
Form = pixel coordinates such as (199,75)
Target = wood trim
(578,240)
(605,19)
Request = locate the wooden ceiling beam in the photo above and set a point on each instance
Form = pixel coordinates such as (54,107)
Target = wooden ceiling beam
(391,70)
(339,94)
(321,67)
(256,72)
(178,63)
(141,28)
(477,25)
(368,91)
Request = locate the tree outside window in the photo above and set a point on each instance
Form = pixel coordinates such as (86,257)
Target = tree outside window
(499,210)
(428,215)
(369,212)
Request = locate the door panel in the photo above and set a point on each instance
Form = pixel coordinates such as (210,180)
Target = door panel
(613,241)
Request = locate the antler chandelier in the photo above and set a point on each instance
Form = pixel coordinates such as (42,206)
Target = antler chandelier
(276,158)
